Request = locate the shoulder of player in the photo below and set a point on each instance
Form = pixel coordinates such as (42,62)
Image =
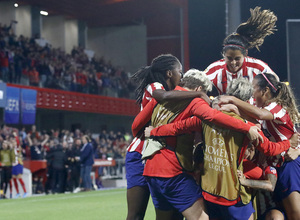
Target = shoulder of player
(256,62)
(274,107)
(218,65)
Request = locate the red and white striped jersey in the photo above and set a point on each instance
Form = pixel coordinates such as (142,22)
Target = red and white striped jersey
(220,76)
(18,156)
(138,143)
(148,94)
(279,129)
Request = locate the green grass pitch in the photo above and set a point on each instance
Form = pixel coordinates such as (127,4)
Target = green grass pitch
(102,204)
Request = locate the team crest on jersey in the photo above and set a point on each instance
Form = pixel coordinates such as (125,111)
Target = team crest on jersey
(273,170)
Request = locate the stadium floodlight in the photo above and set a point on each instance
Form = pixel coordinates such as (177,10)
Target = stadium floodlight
(44,13)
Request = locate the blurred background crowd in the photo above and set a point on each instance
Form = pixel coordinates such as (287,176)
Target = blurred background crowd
(26,61)
(62,149)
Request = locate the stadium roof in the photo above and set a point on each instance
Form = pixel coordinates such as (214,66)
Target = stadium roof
(97,13)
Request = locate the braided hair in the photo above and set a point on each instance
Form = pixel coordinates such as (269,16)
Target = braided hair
(156,72)
(281,94)
(252,32)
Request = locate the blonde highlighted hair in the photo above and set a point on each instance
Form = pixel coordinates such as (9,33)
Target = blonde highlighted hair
(194,78)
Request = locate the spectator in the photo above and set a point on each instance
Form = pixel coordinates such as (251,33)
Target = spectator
(87,161)
(4,63)
(34,78)
(73,157)
(36,148)
(58,157)
(34,133)
(49,158)
(56,69)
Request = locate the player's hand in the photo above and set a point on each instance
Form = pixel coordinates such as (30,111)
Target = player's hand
(230,108)
(148,131)
(225,99)
(241,176)
(294,140)
(254,135)
(292,154)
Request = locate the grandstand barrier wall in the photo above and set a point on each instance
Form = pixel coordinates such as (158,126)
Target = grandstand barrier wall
(81,102)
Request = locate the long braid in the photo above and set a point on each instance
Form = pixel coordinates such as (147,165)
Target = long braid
(154,73)
(140,78)
(252,32)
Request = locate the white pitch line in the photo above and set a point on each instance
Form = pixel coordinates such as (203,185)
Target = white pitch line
(12,201)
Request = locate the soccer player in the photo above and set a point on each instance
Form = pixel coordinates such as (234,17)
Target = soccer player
(17,169)
(264,182)
(223,147)
(277,110)
(171,185)
(154,81)
(236,63)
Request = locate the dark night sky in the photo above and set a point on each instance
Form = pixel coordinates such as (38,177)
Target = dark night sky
(207,31)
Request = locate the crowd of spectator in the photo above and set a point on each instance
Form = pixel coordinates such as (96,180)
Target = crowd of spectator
(26,61)
(62,149)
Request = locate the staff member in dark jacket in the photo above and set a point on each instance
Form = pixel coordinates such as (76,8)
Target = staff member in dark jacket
(87,161)
(59,160)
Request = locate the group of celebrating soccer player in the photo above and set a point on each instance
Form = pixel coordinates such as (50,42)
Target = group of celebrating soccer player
(235,157)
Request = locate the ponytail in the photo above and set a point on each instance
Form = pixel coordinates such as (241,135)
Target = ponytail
(281,94)
(286,99)
(252,33)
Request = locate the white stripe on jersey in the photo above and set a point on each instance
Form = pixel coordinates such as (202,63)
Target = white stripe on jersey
(217,63)
(134,144)
(281,114)
(219,85)
(267,69)
(215,74)
(282,137)
(271,106)
(228,76)
(218,71)
(149,89)
(156,85)
(250,71)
